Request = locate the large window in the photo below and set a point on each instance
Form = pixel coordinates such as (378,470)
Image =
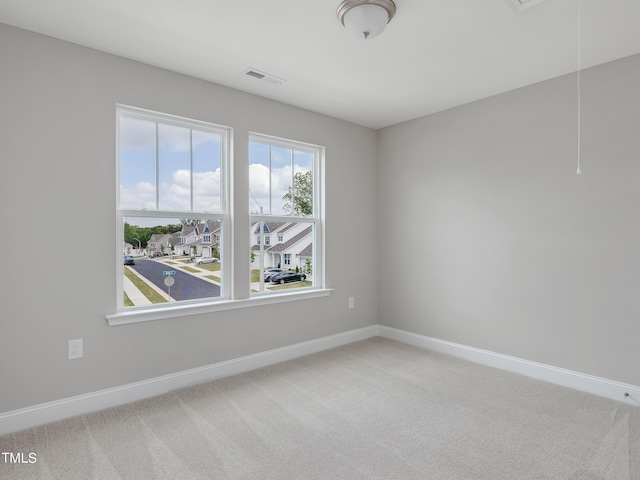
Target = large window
(173,209)
(285,204)
(175,244)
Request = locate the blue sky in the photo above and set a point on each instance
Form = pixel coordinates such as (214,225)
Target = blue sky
(272,184)
(138,183)
(270,171)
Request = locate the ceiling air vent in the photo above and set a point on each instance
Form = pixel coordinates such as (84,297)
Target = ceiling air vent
(519,5)
(266,77)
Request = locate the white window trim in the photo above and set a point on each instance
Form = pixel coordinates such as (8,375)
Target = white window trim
(124,111)
(317,219)
(183,309)
(228,302)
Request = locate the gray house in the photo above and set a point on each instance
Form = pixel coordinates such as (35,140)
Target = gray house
(287,245)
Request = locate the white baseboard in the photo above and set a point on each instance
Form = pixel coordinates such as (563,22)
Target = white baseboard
(559,376)
(24,418)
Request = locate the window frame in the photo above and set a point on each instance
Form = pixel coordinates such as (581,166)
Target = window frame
(231,299)
(224,216)
(316,219)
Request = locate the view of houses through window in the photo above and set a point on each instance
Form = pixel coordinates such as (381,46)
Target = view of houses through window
(175,260)
(285,215)
(174,211)
(173,208)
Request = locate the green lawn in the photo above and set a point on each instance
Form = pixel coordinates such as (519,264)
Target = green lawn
(144,287)
(190,269)
(287,286)
(127,301)
(255,275)
(212,267)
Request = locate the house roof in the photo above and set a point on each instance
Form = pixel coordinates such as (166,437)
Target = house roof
(307,251)
(281,247)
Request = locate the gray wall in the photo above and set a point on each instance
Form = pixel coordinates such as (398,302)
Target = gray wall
(492,240)
(486,235)
(57,152)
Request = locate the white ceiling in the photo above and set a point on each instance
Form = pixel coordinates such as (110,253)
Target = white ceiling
(434,55)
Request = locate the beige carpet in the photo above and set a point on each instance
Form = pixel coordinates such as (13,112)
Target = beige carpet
(375,409)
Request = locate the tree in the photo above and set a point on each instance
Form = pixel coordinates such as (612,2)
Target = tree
(134,233)
(302,195)
(307,267)
(190,222)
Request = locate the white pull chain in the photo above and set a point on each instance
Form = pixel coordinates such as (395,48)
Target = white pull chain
(579,171)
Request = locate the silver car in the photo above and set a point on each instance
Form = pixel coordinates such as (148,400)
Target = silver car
(270,272)
(201,260)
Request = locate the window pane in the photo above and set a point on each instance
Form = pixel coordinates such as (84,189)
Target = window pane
(186,250)
(137,164)
(259,176)
(206,171)
(292,254)
(303,183)
(281,180)
(174,167)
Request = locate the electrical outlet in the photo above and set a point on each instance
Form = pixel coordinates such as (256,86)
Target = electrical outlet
(75,348)
(352,302)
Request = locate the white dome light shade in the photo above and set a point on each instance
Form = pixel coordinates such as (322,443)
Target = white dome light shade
(366,18)
(366,21)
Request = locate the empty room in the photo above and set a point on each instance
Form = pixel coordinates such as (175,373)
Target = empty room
(350,239)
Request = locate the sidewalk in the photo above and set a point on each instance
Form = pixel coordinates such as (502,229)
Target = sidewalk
(138,298)
(135,295)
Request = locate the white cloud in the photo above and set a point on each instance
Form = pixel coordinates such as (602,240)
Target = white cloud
(259,180)
(142,196)
(176,195)
(259,184)
(206,191)
(136,134)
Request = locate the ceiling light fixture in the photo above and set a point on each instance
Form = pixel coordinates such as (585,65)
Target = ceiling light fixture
(366,18)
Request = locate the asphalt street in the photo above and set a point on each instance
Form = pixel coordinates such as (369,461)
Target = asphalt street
(186,287)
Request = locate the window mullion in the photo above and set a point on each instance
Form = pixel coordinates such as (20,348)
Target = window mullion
(270,174)
(191,168)
(293,185)
(157,168)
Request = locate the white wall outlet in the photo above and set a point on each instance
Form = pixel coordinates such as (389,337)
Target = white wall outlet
(75,348)
(352,302)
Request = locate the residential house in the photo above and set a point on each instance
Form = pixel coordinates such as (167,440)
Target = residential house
(159,242)
(286,245)
(201,240)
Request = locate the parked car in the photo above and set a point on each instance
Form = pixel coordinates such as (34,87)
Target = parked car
(270,272)
(158,254)
(129,260)
(285,277)
(201,260)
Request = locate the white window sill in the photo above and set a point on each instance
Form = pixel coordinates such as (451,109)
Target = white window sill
(182,310)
